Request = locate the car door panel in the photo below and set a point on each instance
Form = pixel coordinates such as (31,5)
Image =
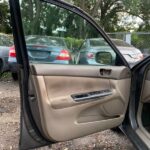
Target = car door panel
(146,94)
(61,117)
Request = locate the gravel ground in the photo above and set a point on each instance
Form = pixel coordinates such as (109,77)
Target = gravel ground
(9,127)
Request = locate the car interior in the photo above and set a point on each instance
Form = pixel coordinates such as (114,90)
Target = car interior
(144,110)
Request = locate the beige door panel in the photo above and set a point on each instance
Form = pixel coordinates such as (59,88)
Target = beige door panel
(80,71)
(61,88)
(63,119)
(146,94)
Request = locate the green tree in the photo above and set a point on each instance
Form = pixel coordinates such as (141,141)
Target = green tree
(105,12)
(144,12)
(4,17)
(141,9)
(39,18)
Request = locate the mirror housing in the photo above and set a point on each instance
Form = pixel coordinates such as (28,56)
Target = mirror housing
(103,57)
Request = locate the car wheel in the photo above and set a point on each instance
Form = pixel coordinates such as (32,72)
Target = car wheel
(1,65)
(14,76)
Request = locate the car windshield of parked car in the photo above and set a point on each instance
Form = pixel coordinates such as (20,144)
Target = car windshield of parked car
(49,41)
(98,42)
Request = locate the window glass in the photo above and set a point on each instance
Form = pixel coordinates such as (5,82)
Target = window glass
(56,35)
(98,42)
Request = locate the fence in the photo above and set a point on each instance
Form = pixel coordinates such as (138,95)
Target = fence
(140,40)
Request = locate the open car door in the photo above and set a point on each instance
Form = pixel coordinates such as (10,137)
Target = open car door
(67,90)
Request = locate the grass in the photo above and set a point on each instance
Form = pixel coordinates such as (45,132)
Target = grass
(5,76)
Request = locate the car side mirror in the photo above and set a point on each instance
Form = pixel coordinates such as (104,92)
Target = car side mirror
(104,58)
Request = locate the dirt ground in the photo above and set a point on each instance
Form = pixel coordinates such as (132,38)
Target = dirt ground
(9,127)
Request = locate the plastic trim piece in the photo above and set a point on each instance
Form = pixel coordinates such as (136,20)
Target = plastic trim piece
(91,95)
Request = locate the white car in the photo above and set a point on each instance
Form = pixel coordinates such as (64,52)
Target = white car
(130,53)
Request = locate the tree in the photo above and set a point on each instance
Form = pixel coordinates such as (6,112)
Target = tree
(141,9)
(4,18)
(39,18)
(144,12)
(105,12)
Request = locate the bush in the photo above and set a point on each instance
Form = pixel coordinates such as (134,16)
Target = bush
(73,44)
(141,41)
(5,76)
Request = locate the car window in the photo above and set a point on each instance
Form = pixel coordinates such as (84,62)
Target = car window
(98,42)
(50,41)
(84,45)
(56,35)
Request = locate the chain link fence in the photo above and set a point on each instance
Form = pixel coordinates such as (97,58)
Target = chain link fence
(140,40)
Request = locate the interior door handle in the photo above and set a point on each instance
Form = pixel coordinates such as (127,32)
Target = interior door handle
(105,71)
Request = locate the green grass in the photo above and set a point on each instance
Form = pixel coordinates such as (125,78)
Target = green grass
(5,76)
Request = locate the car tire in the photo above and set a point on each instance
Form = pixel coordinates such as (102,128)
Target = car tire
(1,65)
(14,76)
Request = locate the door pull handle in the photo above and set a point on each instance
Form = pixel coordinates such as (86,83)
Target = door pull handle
(105,71)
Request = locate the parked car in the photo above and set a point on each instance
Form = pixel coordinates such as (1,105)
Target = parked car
(61,102)
(42,48)
(5,43)
(131,54)
(89,49)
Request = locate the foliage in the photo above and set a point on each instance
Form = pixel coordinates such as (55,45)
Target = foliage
(5,76)
(72,42)
(141,9)
(105,12)
(145,15)
(4,18)
(141,41)
(37,16)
